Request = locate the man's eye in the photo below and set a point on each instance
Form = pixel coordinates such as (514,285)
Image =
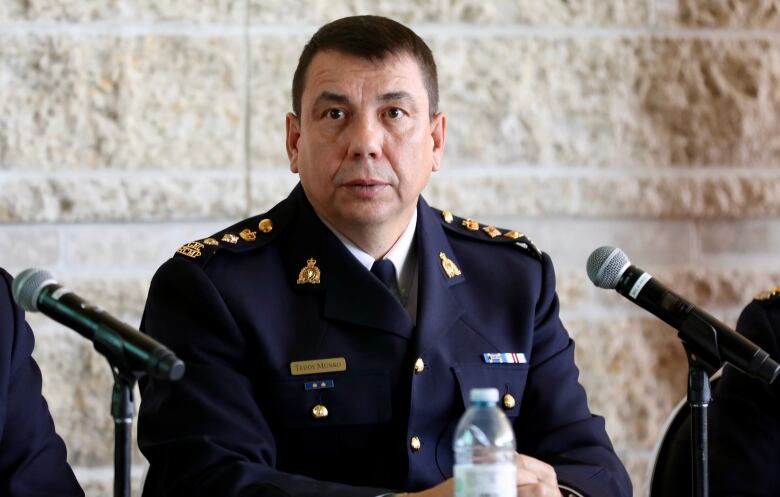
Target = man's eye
(335,114)
(394,113)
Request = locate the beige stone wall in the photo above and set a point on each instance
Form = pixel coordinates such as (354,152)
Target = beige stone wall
(129,127)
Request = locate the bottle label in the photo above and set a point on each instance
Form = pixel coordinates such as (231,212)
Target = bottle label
(485,480)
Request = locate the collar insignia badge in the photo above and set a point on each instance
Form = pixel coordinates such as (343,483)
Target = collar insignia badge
(310,274)
(449,267)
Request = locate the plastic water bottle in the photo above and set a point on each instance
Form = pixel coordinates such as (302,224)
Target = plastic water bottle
(484,449)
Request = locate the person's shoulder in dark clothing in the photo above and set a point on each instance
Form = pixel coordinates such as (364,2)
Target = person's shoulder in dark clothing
(745,413)
(32,456)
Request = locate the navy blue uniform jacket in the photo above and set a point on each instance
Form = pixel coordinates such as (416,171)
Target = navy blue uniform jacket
(239,423)
(745,415)
(32,456)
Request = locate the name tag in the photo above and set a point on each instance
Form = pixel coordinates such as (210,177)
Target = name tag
(318,366)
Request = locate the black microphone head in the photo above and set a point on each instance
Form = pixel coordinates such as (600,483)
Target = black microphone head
(27,286)
(606,265)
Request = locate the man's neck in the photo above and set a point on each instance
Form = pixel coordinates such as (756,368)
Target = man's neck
(376,243)
(374,240)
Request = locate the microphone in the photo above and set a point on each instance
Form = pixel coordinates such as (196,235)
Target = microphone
(711,341)
(124,347)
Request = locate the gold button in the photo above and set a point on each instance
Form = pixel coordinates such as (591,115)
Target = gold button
(415,443)
(265,225)
(419,365)
(509,401)
(319,412)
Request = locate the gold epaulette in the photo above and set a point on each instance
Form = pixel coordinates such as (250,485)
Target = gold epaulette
(768,294)
(473,228)
(240,236)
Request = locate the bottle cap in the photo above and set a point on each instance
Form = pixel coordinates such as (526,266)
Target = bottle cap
(483,395)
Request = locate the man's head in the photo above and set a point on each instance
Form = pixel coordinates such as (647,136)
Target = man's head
(367,37)
(364,139)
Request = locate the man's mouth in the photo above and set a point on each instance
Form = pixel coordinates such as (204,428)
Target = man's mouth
(365,187)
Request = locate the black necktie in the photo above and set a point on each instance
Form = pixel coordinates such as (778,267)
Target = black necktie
(384,269)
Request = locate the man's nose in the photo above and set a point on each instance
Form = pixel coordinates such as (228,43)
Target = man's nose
(365,138)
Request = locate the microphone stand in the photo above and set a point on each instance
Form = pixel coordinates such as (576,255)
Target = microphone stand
(696,331)
(122,410)
(112,347)
(698,401)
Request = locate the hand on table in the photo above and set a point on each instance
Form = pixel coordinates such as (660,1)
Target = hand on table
(534,479)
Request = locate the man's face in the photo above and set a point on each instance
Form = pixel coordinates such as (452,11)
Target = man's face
(364,144)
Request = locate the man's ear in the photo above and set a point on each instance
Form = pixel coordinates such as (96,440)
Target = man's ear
(292,125)
(439,134)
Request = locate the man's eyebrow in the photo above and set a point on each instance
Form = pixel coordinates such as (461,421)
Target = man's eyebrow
(337,98)
(331,97)
(395,95)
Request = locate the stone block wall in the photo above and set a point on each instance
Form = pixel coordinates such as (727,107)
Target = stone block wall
(130,127)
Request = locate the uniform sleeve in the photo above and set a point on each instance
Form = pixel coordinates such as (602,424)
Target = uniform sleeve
(205,434)
(32,455)
(744,428)
(556,424)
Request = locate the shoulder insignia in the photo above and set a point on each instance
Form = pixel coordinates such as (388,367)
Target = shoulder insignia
(492,231)
(245,235)
(769,294)
(470,224)
(248,235)
(473,229)
(192,250)
(265,225)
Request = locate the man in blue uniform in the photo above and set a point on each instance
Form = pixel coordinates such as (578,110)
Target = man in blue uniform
(745,413)
(32,457)
(331,342)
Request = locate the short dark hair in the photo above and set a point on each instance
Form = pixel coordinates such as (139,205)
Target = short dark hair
(369,37)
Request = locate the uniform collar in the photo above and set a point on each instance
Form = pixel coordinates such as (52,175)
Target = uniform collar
(400,254)
(350,293)
(438,305)
(354,295)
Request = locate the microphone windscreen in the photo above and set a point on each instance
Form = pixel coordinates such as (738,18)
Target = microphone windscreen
(606,265)
(27,286)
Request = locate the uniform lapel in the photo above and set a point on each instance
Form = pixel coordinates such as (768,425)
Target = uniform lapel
(350,292)
(438,308)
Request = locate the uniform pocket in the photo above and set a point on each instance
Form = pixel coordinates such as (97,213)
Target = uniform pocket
(356,398)
(509,379)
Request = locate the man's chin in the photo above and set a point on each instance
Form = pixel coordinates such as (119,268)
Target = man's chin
(366,215)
